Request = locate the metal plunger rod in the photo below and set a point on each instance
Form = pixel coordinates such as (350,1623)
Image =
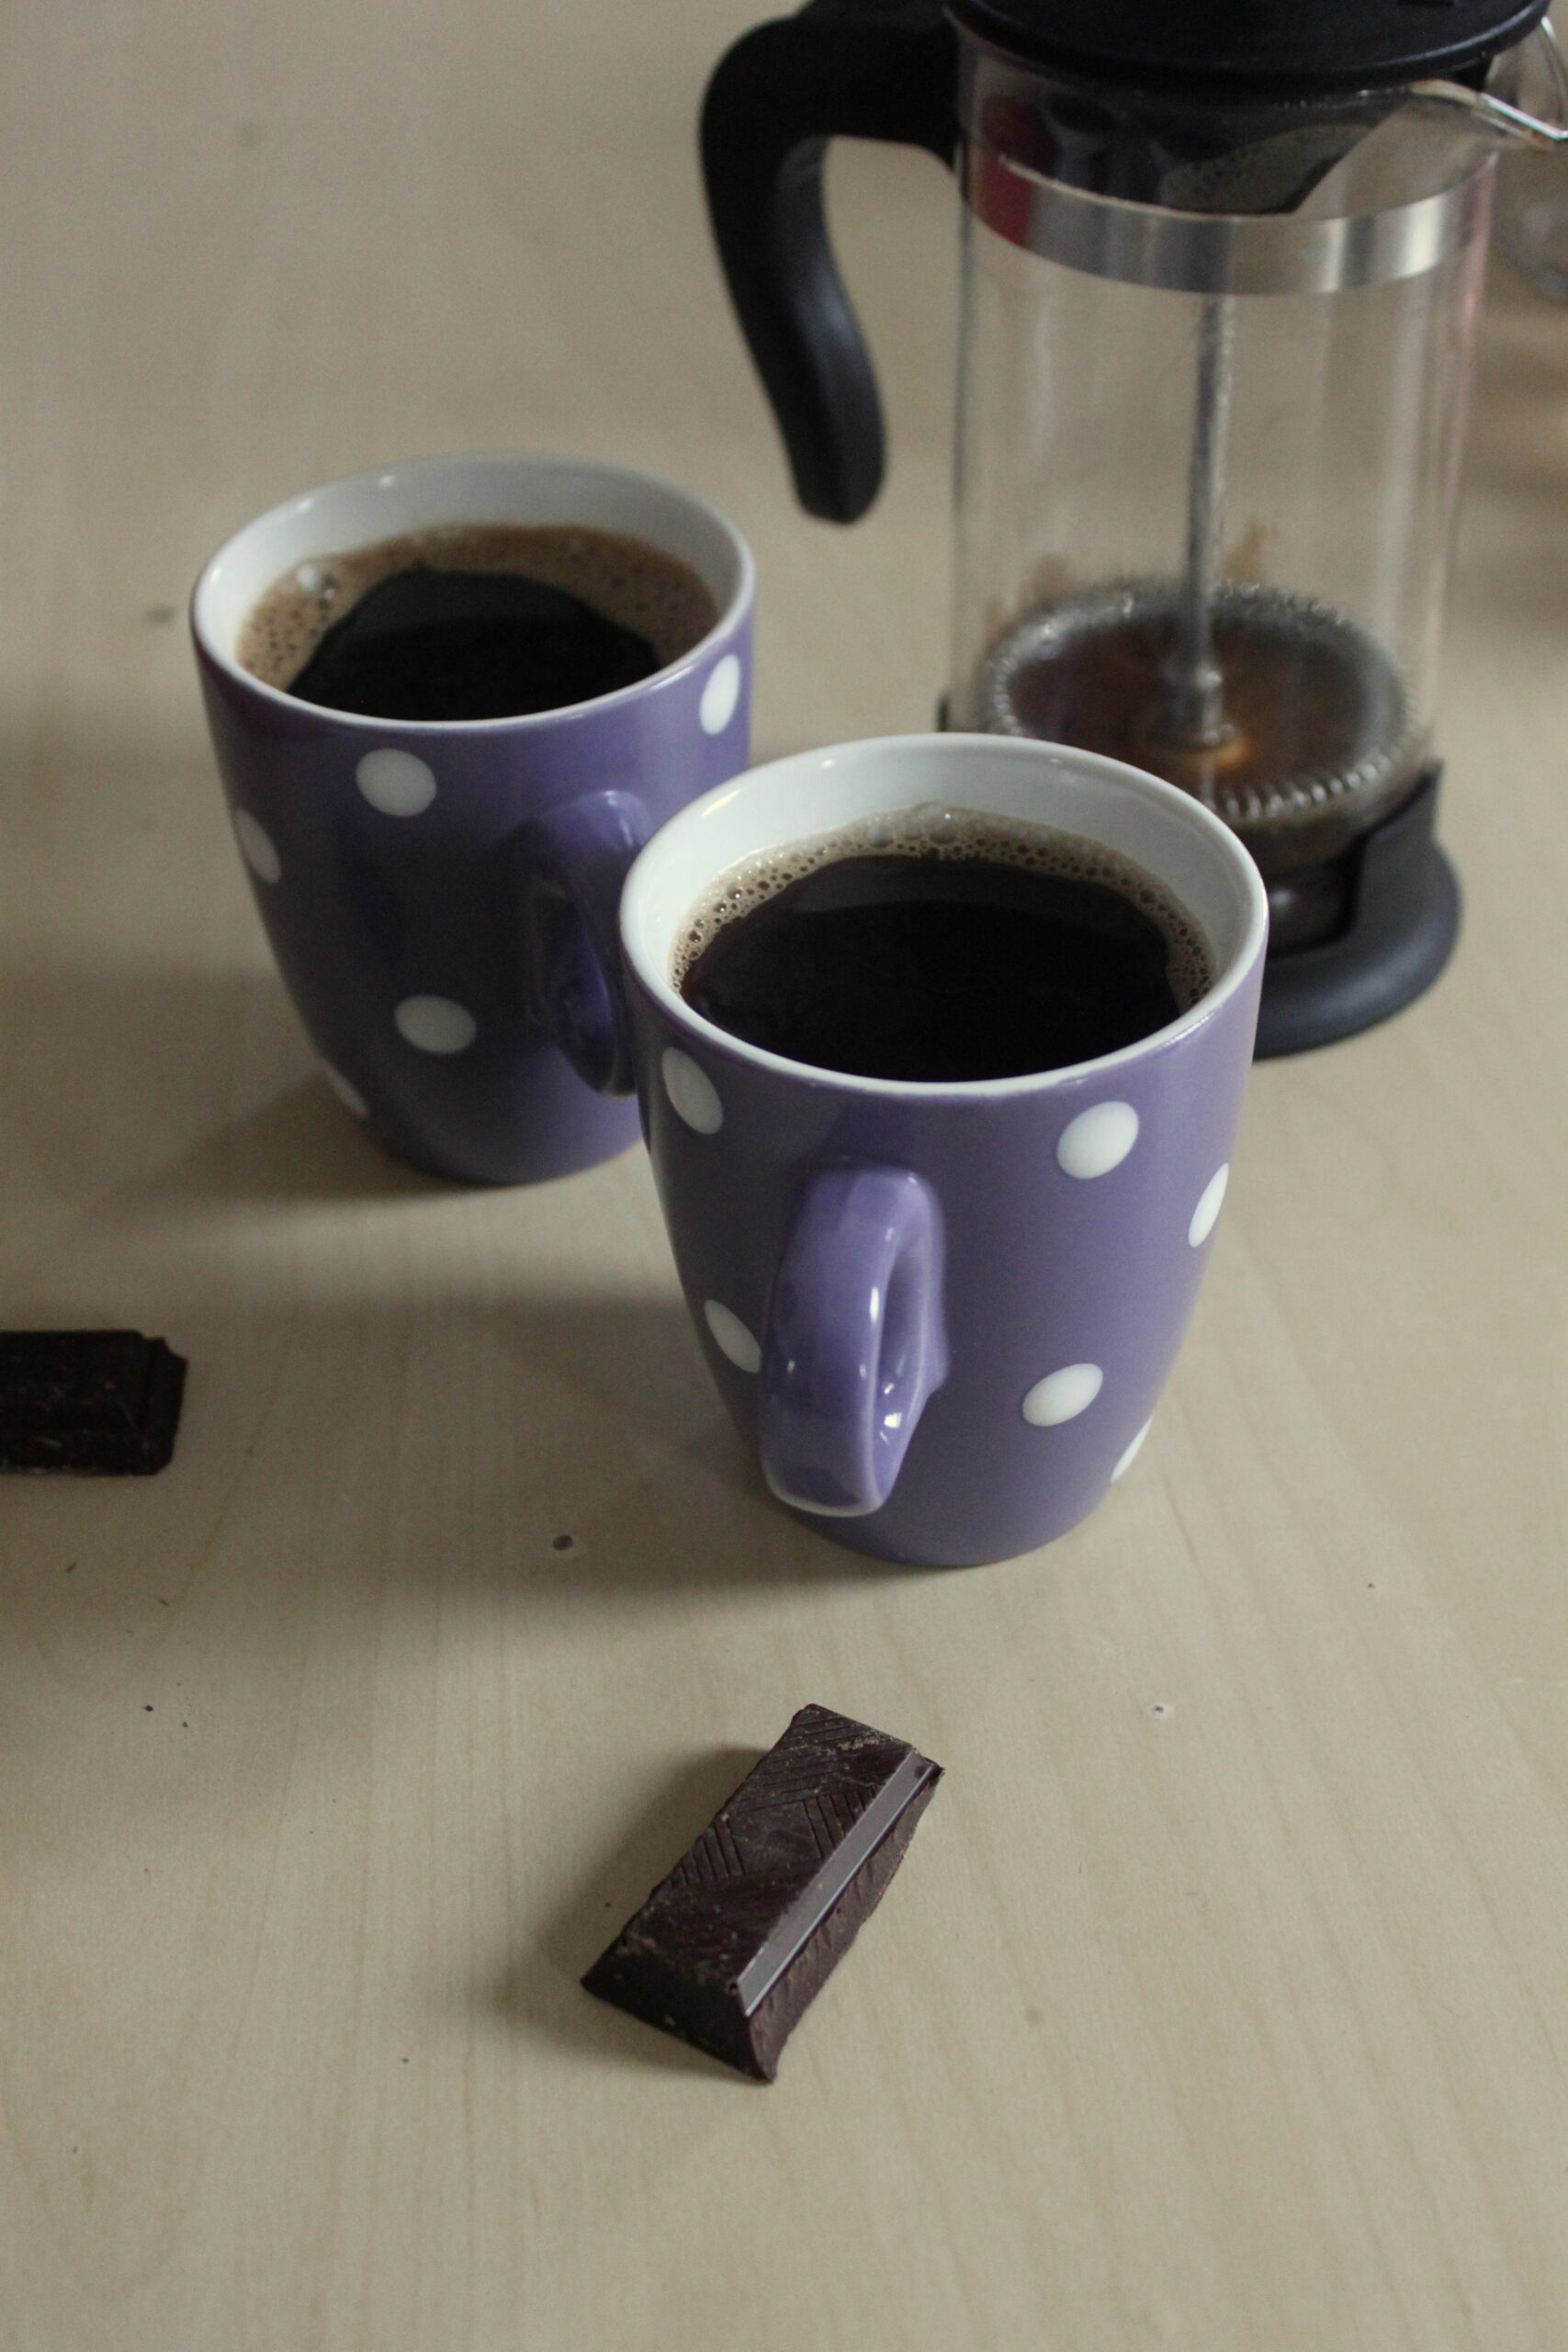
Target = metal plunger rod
(1196,713)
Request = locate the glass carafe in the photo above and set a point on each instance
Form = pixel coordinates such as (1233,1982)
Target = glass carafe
(1222,271)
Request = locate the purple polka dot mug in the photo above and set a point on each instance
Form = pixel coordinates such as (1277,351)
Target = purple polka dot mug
(942,1313)
(441,894)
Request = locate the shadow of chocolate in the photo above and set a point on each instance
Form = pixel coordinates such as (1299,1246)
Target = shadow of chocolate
(540,1991)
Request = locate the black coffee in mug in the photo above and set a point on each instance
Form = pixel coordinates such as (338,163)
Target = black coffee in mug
(951,947)
(476,621)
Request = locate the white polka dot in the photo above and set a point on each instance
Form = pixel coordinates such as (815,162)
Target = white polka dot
(1207,1207)
(1131,1453)
(731,1338)
(349,1096)
(436,1024)
(396,783)
(1097,1141)
(256,847)
(1063,1395)
(693,1093)
(720,695)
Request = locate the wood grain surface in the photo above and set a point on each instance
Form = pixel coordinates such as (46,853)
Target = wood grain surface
(1220,2001)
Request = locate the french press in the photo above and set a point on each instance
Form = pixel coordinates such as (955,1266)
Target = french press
(1222,269)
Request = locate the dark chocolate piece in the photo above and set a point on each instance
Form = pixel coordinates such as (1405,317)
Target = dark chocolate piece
(728,1950)
(103,1402)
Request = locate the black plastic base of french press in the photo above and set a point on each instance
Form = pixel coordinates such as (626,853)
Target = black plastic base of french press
(1400,919)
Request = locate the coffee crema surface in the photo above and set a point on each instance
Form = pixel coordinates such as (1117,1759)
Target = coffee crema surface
(475,620)
(942,946)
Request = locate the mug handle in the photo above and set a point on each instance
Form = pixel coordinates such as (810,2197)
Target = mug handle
(575,859)
(855,1341)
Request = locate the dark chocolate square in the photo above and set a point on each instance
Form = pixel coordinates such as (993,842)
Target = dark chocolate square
(105,1403)
(727,1951)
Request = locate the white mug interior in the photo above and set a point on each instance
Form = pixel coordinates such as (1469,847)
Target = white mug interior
(815,793)
(427,492)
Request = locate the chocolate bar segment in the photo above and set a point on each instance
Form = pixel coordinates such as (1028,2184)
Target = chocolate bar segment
(102,1402)
(730,1949)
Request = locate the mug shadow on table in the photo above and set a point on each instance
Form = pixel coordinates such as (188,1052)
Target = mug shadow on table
(168,1042)
(630,1479)
(300,1146)
(602,1363)
(542,1992)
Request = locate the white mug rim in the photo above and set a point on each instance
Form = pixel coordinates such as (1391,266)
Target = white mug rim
(538,463)
(639,920)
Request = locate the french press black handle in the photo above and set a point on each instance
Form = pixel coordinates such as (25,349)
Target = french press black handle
(853,69)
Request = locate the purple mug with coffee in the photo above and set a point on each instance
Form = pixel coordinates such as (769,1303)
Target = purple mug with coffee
(441,891)
(942,1311)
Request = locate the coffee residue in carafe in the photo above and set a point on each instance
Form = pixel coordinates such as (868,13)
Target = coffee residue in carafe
(1318,737)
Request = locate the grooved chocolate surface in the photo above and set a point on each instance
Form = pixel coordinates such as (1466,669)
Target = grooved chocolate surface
(727,1951)
(107,1403)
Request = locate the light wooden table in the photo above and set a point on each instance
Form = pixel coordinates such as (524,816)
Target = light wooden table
(1222,2001)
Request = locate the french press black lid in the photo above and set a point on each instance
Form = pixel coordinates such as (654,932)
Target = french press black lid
(1256,47)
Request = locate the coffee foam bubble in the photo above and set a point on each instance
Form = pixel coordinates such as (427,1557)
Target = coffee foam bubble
(933,830)
(638,586)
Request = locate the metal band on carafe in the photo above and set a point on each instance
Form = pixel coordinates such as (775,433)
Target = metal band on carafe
(1220,253)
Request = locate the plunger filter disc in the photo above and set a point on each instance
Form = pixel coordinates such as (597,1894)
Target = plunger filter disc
(1318,724)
